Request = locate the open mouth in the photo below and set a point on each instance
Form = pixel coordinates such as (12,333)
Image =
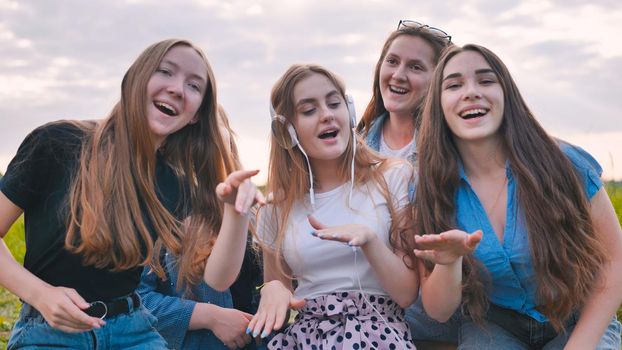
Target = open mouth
(165,108)
(328,134)
(473,113)
(398,90)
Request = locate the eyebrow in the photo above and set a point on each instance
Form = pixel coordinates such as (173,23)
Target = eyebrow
(477,72)
(176,66)
(311,100)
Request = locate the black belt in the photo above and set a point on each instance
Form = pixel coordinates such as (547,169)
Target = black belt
(123,305)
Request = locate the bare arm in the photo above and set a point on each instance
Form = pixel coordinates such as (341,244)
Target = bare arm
(60,306)
(225,261)
(607,295)
(386,263)
(441,290)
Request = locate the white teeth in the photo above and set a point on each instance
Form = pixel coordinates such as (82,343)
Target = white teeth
(398,90)
(473,111)
(166,106)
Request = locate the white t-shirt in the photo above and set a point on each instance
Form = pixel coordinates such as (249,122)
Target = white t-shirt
(401,153)
(323,267)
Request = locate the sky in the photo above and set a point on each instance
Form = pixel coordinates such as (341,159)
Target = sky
(64,59)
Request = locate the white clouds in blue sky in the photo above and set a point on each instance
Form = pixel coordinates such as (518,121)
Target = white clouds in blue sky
(66,58)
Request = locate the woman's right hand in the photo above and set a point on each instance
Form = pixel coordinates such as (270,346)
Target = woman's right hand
(63,309)
(239,191)
(275,302)
(229,326)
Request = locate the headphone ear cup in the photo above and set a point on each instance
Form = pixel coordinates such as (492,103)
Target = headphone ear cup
(351,111)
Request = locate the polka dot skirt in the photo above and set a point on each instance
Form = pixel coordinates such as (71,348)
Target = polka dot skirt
(343,320)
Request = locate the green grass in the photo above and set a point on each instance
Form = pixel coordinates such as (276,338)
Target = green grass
(9,304)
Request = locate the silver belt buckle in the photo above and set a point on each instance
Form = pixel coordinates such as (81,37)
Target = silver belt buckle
(95,306)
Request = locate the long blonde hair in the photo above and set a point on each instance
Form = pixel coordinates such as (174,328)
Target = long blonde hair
(288,176)
(113,202)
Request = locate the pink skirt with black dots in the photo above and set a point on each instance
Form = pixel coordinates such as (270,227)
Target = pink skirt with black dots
(343,320)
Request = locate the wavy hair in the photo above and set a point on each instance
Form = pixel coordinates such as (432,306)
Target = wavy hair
(565,252)
(288,176)
(375,107)
(113,205)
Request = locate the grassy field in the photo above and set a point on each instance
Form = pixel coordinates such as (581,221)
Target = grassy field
(9,304)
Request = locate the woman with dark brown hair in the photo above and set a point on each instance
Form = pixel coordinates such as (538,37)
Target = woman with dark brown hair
(546,274)
(102,199)
(389,126)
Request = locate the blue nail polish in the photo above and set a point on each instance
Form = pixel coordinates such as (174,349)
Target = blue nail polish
(264,334)
(255,334)
(248,330)
(312,232)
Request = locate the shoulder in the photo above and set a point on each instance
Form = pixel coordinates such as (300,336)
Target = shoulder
(580,158)
(59,134)
(587,167)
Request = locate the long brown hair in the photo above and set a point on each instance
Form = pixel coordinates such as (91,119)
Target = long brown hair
(288,176)
(375,107)
(113,202)
(565,252)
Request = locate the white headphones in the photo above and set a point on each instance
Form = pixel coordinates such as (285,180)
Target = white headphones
(290,140)
(285,135)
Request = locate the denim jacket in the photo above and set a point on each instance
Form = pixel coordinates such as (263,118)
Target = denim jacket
(173,311)
(375,134)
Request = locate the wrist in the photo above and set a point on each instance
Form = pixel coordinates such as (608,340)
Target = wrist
(204,316)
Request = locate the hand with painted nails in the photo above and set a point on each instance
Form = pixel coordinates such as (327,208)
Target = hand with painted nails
(355,235)
(63,308)
(274,305)
(239,191)
(445,248)
(228,325)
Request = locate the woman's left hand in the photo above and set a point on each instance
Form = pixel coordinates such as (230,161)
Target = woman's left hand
(239,191)
(446,247)
(355,235)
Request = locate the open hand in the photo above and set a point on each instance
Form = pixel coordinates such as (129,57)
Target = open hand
(445,248)
(355,235)
(275,302)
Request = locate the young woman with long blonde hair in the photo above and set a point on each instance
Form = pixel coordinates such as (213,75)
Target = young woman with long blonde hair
(102,199)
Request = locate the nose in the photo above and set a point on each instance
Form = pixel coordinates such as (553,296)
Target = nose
(176,88)
(472,91)
(399,73)
(328,114)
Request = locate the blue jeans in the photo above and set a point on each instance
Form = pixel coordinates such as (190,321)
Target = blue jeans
(425,328)
(508,330)
(133,331)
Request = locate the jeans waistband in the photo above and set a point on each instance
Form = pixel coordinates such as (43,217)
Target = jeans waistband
(100,309)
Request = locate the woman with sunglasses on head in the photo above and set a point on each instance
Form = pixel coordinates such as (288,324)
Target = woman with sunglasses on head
(191,314)
(546,274)
(389,125)
(336,220)
(102,199)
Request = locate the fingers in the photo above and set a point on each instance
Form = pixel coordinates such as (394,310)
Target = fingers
(223,190)
(259,198)
(473,239)
(239,176)
(245,196)
(315,223)
(78,318)
(296,304)
(430,255)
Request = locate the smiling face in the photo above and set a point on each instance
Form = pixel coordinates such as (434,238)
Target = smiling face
(471,97)
(175,91)
(405,74)
(320,118)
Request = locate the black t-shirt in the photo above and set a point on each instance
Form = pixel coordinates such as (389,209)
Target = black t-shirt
(38,180)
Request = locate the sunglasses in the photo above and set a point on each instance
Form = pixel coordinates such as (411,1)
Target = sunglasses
(406,23)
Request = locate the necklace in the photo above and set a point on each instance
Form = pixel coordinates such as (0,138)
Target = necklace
(492,208)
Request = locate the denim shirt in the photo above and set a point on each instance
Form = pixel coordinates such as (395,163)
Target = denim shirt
(173,311)
(509,263)
(373,138)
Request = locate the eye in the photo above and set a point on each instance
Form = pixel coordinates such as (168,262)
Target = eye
(417,67)
(487,81)
(308,111)
(452,85)
(391,60)
(195,86)
(334,105)
(164,71)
